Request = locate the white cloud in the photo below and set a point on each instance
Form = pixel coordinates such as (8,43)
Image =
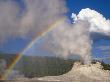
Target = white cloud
(97,21)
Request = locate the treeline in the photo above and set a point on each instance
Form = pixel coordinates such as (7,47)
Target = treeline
(105,66)
(9,58)
(32,66)
(35,66)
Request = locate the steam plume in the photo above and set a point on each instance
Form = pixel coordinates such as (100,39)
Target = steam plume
(74,39)
(67,39)
(36,17)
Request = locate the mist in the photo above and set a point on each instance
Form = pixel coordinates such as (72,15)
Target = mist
(34,19)
(75,39)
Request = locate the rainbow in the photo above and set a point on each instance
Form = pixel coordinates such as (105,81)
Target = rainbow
(18,57)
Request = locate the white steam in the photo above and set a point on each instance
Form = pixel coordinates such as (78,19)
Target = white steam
(74,39)
(67,39)
(36,17)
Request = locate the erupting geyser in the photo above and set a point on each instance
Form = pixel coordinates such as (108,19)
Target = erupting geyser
(68,39)
(74,39)
(64,39)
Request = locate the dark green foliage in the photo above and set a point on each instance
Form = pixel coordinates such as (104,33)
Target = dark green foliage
(105,66)
(8,57)
(43,66)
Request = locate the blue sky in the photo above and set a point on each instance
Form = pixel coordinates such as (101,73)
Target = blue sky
(102,6)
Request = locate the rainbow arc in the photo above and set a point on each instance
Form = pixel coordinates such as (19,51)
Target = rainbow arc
(18,57)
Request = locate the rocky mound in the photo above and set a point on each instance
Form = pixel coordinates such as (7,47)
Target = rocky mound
(81,73)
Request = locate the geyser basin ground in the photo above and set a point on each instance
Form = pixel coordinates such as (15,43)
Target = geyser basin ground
(81,73)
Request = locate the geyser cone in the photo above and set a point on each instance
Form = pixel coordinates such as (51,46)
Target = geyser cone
(82,73)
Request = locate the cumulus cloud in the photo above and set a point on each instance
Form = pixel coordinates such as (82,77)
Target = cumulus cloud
(36,17)
(97,21)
